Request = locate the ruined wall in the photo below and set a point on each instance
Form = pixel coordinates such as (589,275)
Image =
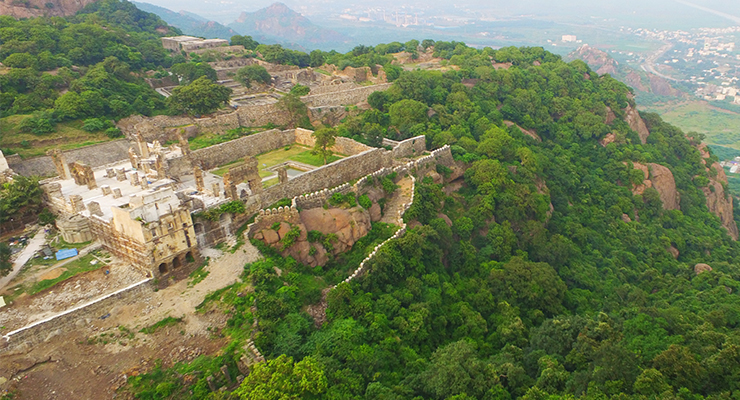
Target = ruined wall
(94,156)
(224,153)
(346,97)
(332,175)
(66,322)
(342,145)
(410,148)
(316,90)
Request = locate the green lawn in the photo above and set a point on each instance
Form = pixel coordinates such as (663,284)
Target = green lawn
(68,135)
(73,268)
(294,152)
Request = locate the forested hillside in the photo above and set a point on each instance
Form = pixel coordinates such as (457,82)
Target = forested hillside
(539,275)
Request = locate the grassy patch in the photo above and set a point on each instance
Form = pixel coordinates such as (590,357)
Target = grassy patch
(312,159)
(270,182)
(68,136)
(199,274)
(321,71)
(78,266)
(169,321)
(210,139)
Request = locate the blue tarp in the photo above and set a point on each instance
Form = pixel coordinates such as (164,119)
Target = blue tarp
(66,253)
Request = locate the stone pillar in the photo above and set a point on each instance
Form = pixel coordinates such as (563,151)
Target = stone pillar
(255,186)
(94,208)
(143,146)
(160,166)
(134,179)
(110,173)
(184,145)
(121,174)
(283,175)
(199,182)
(77,203)
(230,192)
(133,158)
(215,188)
(60,163)
(53,190)
(106,190)
(144,183)
(225,371)
(117,193)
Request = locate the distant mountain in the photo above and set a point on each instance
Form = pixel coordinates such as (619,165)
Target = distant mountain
(641,81)
(189,23)
(279,23)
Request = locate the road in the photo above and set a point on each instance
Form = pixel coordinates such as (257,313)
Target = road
(33,246)
(648,66)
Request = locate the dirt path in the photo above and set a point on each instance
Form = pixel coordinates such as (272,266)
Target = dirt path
(401,196)
(33,246)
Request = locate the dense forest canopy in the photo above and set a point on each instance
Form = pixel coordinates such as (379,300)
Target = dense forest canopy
(538,275)
(553,279)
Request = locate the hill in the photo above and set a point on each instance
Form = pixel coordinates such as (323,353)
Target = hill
(645,84)
(189,23)
(38,8)
(278,23)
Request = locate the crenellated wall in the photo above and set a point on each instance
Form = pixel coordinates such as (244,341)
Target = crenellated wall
(346,97)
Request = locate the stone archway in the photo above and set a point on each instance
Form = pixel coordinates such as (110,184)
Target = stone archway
(176,263)
(163,268)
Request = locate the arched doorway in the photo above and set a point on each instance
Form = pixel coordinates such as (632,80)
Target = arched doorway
(175,263)
(189,257)
(163,268)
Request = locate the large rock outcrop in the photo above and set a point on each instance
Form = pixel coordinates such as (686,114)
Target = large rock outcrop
(661,179)
(347,226)
(39,8)
(718,202)
(636,123)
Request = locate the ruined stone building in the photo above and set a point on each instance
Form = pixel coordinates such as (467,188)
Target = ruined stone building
(190,43)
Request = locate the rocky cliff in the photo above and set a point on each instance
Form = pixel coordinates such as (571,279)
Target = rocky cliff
(661,179)
(632,116)
(340,228)
(718,202)
(38,8)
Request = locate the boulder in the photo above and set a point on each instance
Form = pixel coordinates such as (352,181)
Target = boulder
(270,236)
(626,218)
(633,119)
(447,219)
(674,252)
(660,178)
(375,212)
(284,229)
(699,268)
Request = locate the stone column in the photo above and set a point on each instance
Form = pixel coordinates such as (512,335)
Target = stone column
(283,175)
(134,179)
(117,193)
(89,177)
(121,174)
(144,183)
(230,192)
(106,190)
(199,182)
(133,158)
(94,208)
(143,146)
(77,203)
(60,163)
(216,189)
(53,189)
(110,173)
(160,166)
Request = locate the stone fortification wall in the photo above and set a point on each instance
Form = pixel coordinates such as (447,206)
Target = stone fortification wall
(94,156)
(412,147)
(316,90)
(224,153)
(151,128)
(332,175)
(345,97)
(342,145)
(67,321)
(317,199)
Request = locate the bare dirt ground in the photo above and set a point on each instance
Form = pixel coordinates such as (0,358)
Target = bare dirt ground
(93,361)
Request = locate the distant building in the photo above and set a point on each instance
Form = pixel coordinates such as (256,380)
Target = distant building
(190,43)
(569,38)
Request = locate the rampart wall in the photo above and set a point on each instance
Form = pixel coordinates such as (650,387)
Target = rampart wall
(352,96)
(66,321)
(342,145)
(409,148)
(224,153)
(316,90)
(94,156)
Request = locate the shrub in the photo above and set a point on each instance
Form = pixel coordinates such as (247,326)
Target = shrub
(113,133)
(290,237)
(365,201)
(38,124)
(95,124)
(315,236)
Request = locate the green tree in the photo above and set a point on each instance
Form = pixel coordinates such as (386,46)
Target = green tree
(246,41)
(5,264)
(407,113)
(325,139)
(253,73)
(282,379)
(198,98)
(295,108)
